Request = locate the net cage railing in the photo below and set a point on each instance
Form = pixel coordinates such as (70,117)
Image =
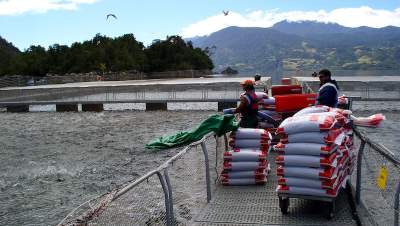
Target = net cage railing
(376,182)
(171,194)
(368,91)
(121,94)
(14,81)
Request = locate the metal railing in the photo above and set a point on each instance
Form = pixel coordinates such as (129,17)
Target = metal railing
(168,195)
(9,82)
(376,182)
(366,91)
(306,88)
(118,94)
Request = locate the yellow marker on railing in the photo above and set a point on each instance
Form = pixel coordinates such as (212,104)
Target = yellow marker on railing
(382,178)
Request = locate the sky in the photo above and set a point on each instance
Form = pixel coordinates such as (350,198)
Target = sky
(46,22)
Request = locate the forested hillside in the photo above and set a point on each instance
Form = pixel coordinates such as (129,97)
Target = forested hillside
(104,54)
(7,52)
(303,46)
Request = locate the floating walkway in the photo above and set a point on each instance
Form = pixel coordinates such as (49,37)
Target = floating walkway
(154,93)
(148,82)
(259,205)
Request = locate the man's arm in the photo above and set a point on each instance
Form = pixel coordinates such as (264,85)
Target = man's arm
(242,104)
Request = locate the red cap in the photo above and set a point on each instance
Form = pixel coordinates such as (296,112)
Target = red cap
(247,82)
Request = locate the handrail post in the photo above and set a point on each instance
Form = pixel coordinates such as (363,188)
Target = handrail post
(226,142)
(166,199)
(350,104)
(171,205)
(359,161)
(204,148)
(396,206)
(216,154)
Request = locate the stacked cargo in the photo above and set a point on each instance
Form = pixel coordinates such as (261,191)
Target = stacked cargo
(268,117)
(246,163)
(315,152)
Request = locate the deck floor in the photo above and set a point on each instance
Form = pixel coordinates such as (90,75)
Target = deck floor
(259,205)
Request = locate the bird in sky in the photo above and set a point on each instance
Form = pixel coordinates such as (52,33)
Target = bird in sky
(225,12)
(111,15)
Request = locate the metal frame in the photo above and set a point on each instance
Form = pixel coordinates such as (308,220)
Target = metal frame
(169,200)
(358,185)
(396,206)
(285,197)
(308,197)
(14,103)
(163,176)
(388,155)
(208,179)
(120,193)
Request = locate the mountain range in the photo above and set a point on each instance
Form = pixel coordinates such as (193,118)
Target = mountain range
(305,45)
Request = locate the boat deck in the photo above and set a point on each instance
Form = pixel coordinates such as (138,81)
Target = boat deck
(259,205)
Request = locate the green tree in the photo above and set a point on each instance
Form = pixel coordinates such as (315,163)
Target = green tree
(103,53)
(175,54)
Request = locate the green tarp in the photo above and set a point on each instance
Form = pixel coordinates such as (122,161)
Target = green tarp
(220,124)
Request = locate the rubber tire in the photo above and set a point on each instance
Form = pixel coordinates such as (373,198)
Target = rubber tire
(284,205)
(330,210)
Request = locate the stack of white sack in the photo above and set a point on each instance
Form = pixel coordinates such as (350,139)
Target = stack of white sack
(371,121)
(268,119)
(343,100)
(246,163)
(267,115)
(315,152)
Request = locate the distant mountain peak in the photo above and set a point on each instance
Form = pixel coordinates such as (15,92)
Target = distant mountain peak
(303,45)
(308,27)
(305,22)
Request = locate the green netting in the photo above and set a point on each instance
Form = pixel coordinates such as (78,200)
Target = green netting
(220,124)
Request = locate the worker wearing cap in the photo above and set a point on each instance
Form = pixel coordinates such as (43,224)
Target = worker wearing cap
(329,90)
(248,107)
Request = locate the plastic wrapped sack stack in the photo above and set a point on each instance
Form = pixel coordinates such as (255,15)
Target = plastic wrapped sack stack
(268,117)
(371,121)
(246,163)
(315,152)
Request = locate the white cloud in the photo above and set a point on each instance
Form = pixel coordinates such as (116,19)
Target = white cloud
(349,17)
(15,7)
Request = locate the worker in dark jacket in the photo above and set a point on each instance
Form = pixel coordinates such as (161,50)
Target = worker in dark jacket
(328,91)
(248,107)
